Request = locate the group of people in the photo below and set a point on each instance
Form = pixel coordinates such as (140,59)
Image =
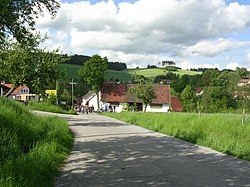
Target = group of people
(86,109)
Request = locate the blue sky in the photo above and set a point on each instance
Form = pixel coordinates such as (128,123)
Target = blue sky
(193,33)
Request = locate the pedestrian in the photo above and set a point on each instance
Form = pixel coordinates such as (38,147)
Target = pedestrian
(82,109)
(114,108)
(86,109)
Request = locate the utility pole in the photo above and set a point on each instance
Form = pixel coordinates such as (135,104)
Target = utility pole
(2,83)
(72,91)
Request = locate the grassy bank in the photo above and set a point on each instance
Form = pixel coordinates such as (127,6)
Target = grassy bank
(45,106)
(221,132)
(32,148)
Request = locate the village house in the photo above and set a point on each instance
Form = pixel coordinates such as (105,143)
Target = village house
(116,94)
(22,92)
(244,82)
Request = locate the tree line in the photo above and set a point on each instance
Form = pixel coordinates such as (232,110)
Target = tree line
(81,59)
(219,90)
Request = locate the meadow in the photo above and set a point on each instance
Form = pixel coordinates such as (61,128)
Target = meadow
(222,132)
(32,148)
(46,106)
(125,75)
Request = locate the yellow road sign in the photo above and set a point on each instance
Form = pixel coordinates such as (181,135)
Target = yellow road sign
(51,92)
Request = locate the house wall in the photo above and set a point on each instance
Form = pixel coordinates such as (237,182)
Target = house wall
(17,96)
(243,83)
(163,108)
(92,101)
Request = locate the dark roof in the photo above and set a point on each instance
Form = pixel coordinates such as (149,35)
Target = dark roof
(117,92)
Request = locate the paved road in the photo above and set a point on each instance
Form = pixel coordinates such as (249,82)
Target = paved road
(112,153)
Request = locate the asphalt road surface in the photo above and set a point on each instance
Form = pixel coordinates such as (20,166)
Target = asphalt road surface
(111,153)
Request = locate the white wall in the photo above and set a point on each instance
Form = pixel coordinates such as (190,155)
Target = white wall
(165,108)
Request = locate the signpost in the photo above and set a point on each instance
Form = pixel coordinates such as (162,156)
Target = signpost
(51,92)
(72,91)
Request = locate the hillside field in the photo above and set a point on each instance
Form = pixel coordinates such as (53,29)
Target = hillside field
(125,75)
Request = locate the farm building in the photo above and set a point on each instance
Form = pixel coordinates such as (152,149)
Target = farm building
(115,95)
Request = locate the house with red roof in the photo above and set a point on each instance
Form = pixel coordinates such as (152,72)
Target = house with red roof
(114,95)
(22,92)
(244,82)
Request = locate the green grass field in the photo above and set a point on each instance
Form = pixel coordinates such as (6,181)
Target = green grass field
(125,75)
(46,106)
(32,148)
(221,132)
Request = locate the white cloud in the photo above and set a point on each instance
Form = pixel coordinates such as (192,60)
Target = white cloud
(186,64)
(133,60)
(213,48)
(146,28)
(233,65)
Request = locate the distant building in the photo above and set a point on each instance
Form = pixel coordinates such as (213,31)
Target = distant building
(20,93)
(116,94)
(244,82)
(199,91)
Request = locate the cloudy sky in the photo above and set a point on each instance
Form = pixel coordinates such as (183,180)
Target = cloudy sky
(193,33)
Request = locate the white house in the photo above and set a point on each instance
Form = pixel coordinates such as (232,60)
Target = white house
(114,95)
(244,82)
(22,92)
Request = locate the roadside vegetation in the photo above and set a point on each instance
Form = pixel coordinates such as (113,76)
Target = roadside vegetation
(48,107)
(32,148)
(222,132)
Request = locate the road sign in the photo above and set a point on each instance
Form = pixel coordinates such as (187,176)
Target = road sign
(51,92)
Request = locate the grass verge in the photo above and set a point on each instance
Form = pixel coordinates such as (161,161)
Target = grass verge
(221,132)
(32,148)
(46,106)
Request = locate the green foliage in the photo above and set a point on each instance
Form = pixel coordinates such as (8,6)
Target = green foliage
(222,132)
(188,99)
(17,17)
(144,90)
(207,77)
(49,107)
(94,71)
(32,148)
(171,68)
(242,72)
(27,64)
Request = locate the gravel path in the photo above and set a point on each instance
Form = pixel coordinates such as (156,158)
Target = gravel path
(111,153)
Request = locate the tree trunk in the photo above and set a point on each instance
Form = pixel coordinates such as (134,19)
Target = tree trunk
(10,91)
(145,108)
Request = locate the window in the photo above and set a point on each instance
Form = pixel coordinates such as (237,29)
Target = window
(156,106)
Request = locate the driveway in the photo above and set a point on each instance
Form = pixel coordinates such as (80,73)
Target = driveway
(111,153)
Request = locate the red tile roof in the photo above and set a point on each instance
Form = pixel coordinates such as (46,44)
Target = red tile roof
(8,85)
(16,90)
(176,104)
(244,80)
(117,92)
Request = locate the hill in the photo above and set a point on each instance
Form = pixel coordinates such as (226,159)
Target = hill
(124,75)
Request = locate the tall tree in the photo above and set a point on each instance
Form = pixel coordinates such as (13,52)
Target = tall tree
(17,17)
(242,72)
(188,98)
(27,64)
(94,71)
(144,90)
